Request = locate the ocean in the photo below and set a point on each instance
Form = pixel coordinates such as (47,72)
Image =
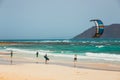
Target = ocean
(95,50)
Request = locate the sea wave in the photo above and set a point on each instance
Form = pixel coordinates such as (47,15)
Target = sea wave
(45,41)
(100,46)
(86,56)
(104,56)
(27,50)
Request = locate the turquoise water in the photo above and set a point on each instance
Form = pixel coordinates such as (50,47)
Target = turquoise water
(98,49)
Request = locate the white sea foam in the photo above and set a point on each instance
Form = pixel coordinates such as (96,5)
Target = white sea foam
(104,56)
(51,41)
(42,52)
(100,46)
(19,50)
(66,41)
(87,56)
(55,41)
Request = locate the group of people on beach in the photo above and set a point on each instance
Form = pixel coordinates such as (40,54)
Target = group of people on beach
(37,53)
(46,57)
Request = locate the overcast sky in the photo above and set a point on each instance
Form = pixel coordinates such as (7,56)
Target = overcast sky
(53,19)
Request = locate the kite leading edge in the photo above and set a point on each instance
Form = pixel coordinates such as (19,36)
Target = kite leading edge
(99,27)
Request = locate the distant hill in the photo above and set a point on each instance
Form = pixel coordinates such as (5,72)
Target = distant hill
(111,31)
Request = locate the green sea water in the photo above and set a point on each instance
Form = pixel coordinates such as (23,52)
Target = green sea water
(95,49)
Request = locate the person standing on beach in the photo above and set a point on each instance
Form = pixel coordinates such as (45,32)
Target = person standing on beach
(11,55)
(75,60)
(46,58)
(37,54)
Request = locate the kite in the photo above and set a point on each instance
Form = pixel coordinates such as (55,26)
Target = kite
(99,27)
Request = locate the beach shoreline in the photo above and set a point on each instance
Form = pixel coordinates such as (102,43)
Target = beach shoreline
(16,59)
(36,69)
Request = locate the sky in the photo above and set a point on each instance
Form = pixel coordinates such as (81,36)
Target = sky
(53,19)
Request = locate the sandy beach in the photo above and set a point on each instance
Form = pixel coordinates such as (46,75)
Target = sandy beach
(59,40)
(53,72)
(27,69)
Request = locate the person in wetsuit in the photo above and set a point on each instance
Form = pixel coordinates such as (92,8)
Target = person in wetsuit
(46,58)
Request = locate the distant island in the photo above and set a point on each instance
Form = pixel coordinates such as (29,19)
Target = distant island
(110,31)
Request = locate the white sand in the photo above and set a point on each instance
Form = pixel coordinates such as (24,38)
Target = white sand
(29,70)
(53,72)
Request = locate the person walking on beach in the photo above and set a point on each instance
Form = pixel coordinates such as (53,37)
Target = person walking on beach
(75,60)
(46,58)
